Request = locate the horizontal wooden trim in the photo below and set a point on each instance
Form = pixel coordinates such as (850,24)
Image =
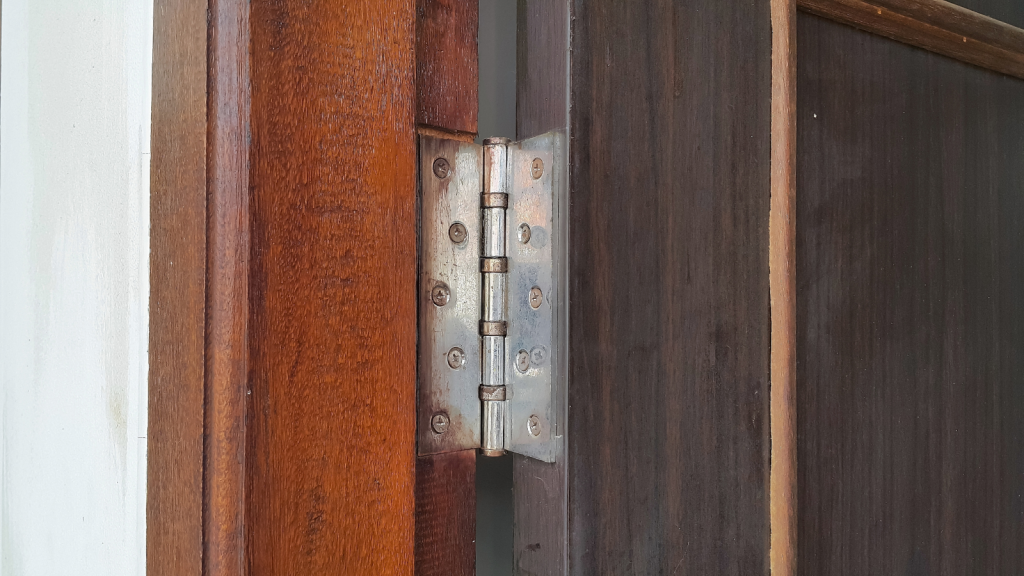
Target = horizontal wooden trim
(934,25)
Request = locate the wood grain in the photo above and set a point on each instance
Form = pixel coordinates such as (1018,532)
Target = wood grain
(445,524)
(332,324)
(447,65)
(934,25)
(782,288)
(227,289)
(177,265)
(670,163)
(910,317)
(447,75)
(540,507)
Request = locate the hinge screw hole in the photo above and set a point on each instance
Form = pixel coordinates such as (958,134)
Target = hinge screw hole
(524,233)
(456,358)
(440,294)
(439,423)
(457,233)
(523,361)
(533,425)
(537,169)
(536,297)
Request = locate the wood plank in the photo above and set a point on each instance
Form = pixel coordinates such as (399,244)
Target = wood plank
(540,507)
(227,289)
(447,75)
(782,288)
(447,65)
(668,431)
(934,25)
(177,267)
(445,524)
(332,325)
(910,321)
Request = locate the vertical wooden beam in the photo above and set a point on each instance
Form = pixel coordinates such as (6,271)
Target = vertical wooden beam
(447,86)
(782,287)
(227,288)
(174,517)
(330,431)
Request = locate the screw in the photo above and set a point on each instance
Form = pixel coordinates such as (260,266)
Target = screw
(533,425)
(440,294)
(439,423)
(538,355)
(456,357)
(536,297)
(523,360)
(524,233)
(457,232)
(441,168)
(538,168)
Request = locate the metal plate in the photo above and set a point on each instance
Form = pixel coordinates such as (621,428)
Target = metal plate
(537,171)
(443,390)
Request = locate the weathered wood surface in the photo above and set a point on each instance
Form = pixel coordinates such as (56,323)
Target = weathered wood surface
(668,430)
(910,312)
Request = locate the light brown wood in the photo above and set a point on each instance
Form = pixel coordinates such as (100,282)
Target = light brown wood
(782,290)
(934,25)
(177,264)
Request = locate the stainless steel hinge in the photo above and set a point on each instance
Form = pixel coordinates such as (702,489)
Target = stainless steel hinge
(492,314)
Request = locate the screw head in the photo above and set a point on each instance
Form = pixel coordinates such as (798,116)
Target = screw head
(440,294)
(533,425)
(441,168)
(456,358)
(538,355)
(537,169)
(439,423)
(523,361)
(457,232)
(536,297)
(524,233)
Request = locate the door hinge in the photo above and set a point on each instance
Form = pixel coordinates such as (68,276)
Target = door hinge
(492,315)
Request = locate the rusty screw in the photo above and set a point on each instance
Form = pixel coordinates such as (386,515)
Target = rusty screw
(538,168)
(533,425)
(536,297)
(456,357)
(441,168)
(523,360)
(457,232)
(524,233)
(440,294)
(439,423)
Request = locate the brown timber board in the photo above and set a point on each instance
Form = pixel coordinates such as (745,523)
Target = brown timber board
(332,325)
(174,514)
(446,514)
(447,65)
(910,311)
(668,430)
(934,25)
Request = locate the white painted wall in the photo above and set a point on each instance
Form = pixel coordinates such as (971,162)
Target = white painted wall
(74,285)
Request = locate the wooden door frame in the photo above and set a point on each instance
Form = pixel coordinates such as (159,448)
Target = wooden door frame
(934,25)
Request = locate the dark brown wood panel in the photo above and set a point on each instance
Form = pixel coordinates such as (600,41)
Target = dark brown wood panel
(447,65)
(446,514)
(177,265)
(910,311)
(668,425)
(1009,11)
(934,25)
(332,325)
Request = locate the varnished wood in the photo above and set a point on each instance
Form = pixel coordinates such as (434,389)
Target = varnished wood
(782,288)
(668,430)
(227,294)
(934,25)
(332,325)
(446,514)
(910,316)
(447,107)
(177,267)
(447,64)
